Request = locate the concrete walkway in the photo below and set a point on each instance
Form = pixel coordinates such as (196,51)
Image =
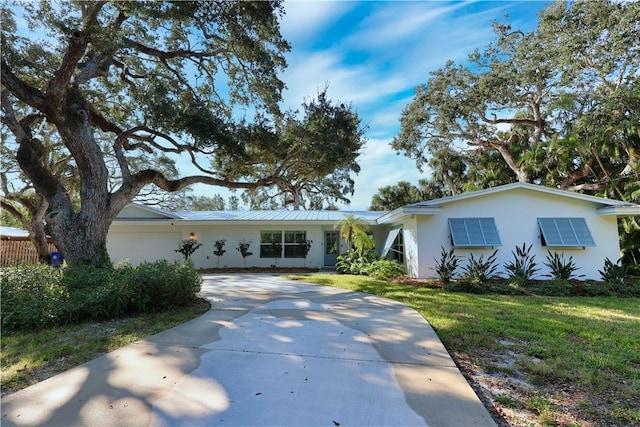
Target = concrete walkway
(270,352)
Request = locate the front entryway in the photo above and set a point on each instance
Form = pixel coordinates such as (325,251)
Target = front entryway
(331,243)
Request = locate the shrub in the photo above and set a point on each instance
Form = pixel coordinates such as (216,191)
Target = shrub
(478,270)
(524,266)
(219,249)
(187,248)
(354,262)
(561,269)
(306,247)
(385,269)
(614,274)
(243,248)
(32,296)
(40,296)
(446,265)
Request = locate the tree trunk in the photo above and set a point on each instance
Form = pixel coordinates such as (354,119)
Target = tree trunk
(82,236)
(38,235)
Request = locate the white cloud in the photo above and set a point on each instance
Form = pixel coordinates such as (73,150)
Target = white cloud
(398,23)
(372,55)
(304,20)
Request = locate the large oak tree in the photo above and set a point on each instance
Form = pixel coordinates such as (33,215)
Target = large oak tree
(155,77)
(559,106)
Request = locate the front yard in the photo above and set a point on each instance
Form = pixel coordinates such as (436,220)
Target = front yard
(533,360)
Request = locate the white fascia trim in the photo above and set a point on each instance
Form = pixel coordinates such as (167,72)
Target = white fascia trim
(166,214)
(396,215)
(619,211)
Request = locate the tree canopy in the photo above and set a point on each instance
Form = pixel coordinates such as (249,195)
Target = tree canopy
(148,77)
(313,158)
(395,196)
(558,106)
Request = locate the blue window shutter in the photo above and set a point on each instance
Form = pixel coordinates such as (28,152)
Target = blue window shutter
(570,232)
(474,232)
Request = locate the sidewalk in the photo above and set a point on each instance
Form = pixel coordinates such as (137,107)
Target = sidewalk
(270,352)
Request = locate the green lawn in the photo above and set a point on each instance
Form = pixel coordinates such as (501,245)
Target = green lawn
(551,360)
(28,358)
(537,360)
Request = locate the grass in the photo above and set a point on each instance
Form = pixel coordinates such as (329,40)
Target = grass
(28,358)
(534,360)
(563,360)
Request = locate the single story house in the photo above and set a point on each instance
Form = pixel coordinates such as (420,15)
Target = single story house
(577,225)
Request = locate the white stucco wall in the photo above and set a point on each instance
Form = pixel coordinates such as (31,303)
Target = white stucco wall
(516,214)
(139,244)
(138,241)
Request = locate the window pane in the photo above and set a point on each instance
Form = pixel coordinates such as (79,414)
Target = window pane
(270,236)
(294,251)
(294,236)
(271,244)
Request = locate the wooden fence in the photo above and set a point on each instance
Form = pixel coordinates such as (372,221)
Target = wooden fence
(15,252)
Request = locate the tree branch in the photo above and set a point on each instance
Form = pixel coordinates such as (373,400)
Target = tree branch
(21,90)
(178,53)
(62,77)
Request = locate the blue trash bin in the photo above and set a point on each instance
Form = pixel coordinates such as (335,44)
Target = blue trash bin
(56,259)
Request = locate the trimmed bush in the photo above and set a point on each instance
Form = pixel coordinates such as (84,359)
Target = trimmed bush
(40,296)
(385,269)
(32,296)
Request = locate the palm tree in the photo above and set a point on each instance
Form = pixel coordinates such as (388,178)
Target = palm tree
(351,226)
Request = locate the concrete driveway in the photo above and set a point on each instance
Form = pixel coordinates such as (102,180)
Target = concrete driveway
(270,352)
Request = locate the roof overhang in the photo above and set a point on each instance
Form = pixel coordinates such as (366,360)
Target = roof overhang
(407,211)
(630,210)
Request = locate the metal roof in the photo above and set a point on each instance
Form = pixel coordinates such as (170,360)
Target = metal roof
(526,186)
(277,215)
(13,232)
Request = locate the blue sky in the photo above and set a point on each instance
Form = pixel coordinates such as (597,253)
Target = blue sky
(373,53)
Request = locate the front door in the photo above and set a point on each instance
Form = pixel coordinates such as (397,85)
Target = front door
(331,243)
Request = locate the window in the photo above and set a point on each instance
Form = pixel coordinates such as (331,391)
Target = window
(397,250)
(395,245)
(293,244)
(277,243)
(271,244)
(565,232)
(474,232)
